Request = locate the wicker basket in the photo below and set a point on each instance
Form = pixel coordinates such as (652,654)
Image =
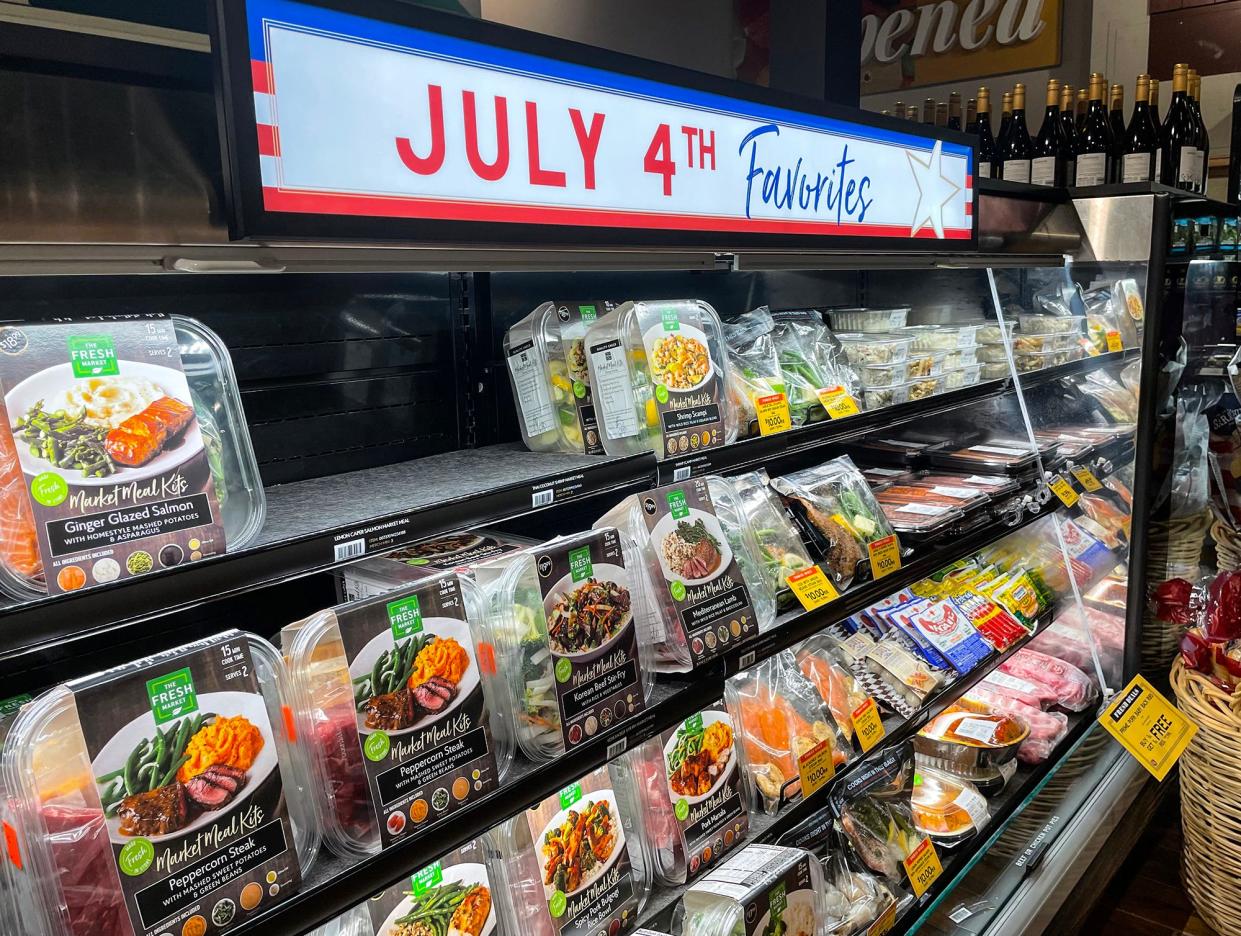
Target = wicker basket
(1210,772)
(1227,547)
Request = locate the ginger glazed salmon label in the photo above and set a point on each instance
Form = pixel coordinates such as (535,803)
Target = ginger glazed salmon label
(194,837)
(688,384)
(120,476)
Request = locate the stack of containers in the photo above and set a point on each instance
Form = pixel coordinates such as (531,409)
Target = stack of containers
(1038,341)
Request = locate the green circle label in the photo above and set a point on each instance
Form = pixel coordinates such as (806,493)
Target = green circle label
(377,746)
(418,562)
(564,669)
(136,857)
(682,810)
(579,389)
(661,393)
(49,489)
(678,590)
(558,905)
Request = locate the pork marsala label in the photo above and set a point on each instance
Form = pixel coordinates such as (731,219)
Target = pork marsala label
(455,891)
(184,759)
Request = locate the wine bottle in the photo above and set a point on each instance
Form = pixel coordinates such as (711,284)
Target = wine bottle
(1047,167)
(954,111)
(971,115)
(986,142)
(1157,122)
(941,114)
(911,112)
(1141,140)
(1204,140)
(1116,120)
(1006,122)
(898,108)
(1080,109)
(928,111)
(1092,141)
(1017,150)
(1179,163)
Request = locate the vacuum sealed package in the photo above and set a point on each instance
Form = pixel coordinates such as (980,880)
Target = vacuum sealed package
(579,862)
(161,794)
(813,364)
(876,814)
(704,567)
(14,876)
(753,367)
(546,355)
(825,663)
(779,544)
(659,374)
(399,709)
(124,450)
(571,623)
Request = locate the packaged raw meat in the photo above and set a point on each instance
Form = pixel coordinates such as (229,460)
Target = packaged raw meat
(1034,694)
(876,812)
(941,489)
(1074,689)
(116,779)
(916,516)
(1047,729)
(401,684)
(947,808)
(825,664)
(1072,643)
(992,456)
(779,544)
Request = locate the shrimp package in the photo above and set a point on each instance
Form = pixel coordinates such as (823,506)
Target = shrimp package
(578,862)
(826,664)
(129,786)
(395,701)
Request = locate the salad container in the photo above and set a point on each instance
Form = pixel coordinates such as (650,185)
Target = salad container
(1038,324)
(862,349)
(1037,360)
(868,321)
(994,332)
(962,357)
(659,373)
(1052,341)
(217,420)
(926,363)
(941,337)
(390,685)
(779,544)
(878,397)
(996,370)
(923,387)
(965,376)
(572,623)
(119,781)
(884,375)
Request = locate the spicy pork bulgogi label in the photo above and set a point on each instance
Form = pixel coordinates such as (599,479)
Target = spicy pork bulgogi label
(584,859)
(570,374)
(418,699)
(453,895)
(184,759)
(701,574)
(688,385)
(588,601)
(772,885)
(117,468)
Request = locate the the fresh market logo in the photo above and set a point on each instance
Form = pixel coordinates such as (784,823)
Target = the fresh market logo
(428,877)
(172,696)
(580,566)
(405,617)
(93,356)
(677,505)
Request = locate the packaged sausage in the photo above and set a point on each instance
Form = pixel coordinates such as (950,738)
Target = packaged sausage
(161,791)
(397,701)
(124,450)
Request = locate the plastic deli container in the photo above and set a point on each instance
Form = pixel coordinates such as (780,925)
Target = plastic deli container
(884,375)
(994,332)
(546,355)
(547,889)
(997,370)
(926,363)
(402,683)
(965,376)
(704,566)
(879,397)
(923,387)
(941,337)
(962,357)
(1036,324)
(862,349)
(221,422)
(1037,360)
(571,621)
(659,373)
(134,781)
(1052,341)
(868,320)
(761,889)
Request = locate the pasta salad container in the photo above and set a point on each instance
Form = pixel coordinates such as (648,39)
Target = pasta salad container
(577,862)
(396,702)
(120,411)
(941,337)
(862,349)
(965,376)
(659,372)
(704,566)
(879,397)
(869,321)
(572,622)
(128,785)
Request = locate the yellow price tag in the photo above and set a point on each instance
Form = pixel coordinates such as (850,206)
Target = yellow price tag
(1148,726)
(1085,477)
(838,402)
(923,867)
(1063,490)
(812,587)
(885,556)
(773,414)
(816,767)
(884,922)
(1113,341)
(868,725)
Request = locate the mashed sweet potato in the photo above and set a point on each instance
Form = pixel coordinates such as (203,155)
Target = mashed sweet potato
(444,658)
(233,742)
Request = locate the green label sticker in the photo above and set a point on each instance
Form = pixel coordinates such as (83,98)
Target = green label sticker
(172,696)
(779,899)
(49,489)
(677,505)
(570,795)
(661,393)
(377,746)
(580,566)
(678,590)
(588,313)
(558,905)
(564,669)
(427,878)
(579,389)
(417,562)
(672,321)
(12,706)
(693,724)
(681,809)
(405,617)
(93,356)
(136,857)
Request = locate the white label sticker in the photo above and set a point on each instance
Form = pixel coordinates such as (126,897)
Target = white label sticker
(1190,161)
(950,491)
(997,450)
(1016,170)
(1136,168)
(1043,170)
(613,392)
(1091,169)
(984,169)
(980,729)
(923,510)
(985,481)
(1011,682)
(530,385)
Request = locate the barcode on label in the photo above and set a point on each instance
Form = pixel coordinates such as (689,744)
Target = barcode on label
(349,550)
(617,747)
(543,498)
(682,473)
(961,914)
(746,660)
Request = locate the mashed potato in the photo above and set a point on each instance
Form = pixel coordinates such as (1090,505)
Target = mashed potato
(107,401)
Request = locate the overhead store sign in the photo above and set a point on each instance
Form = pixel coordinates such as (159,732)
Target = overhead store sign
(366,118)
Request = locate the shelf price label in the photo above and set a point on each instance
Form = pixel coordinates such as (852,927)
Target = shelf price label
(1113,341)
(812,588)
(773,414)
(923,867)
(838,402)
(1148,726)
(884,922)
(1063,490)
(868,725)
(1085,477)
(816,767)
(885,556)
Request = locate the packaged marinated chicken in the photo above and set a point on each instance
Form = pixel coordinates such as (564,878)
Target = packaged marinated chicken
(704,566)
(124,450)
(659,374)
(779,543)
(129,785)
(402,686)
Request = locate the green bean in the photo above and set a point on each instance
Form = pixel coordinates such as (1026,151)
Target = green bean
(377,672)
(150,772)
(109,777)
(182,739)
(131,767)
(172,771)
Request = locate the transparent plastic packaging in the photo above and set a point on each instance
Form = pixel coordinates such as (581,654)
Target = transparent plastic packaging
(962,357)
(1037,360)
(924,387)
(1024,342)
(779,545)
(996,370)
(965,376)
(63,833)
(811,360)
(868,321)
(862,349)
(941,337)
(994,332)
(949,809)
(1033,323)
(926,363)
(878,397)
(884,375)
(824,663)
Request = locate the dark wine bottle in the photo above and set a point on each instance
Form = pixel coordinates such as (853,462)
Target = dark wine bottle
(1047,166)
(1068,132)
(1092,146)
(954,111)
(1006,123)
(1017,149)
(1204,140)
(1157,122)
(1141,140)
(1177,143)
(1116,118)
(986,142)
(941,114)
(898,109)
(1080,109)
(971,115)
(928,111)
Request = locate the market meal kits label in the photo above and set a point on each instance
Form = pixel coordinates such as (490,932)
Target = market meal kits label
(574,319)
(689,388)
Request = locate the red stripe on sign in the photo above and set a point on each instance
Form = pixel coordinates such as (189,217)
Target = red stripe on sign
(261,77)
(969,209)
(969,180)
(269,140)
(384,206)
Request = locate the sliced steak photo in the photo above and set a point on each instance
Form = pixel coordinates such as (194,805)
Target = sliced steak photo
(215,787)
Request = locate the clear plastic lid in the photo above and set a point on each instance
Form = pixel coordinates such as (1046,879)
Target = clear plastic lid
(878,397)
(941,337)
(652,365)
(916,516)
(110,806)
(965,376)
(1036,324)
(565,618)
(1037,360)
(962,357)
(370,675)
(949,809)
(1052,341)
(884,375)
(862,349)
(14,893)
(994,331)
(926,363)
(226,440)
(868,320)
(920,388)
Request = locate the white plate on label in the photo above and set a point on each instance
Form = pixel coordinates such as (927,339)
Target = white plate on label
(708,718)
(617,847)
(656,333)
(668,524)
(603,572)
(799,898)
(469,874)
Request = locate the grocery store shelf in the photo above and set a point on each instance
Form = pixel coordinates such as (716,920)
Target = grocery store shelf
(1073,368)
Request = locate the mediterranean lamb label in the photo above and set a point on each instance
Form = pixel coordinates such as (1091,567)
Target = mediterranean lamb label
(772,885)
(454,894)
(575,318)
(588,600)
(702,576)
(185,762)
(116,465)
(688,386)
(419,715)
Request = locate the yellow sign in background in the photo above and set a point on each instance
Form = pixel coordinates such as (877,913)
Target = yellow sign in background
(1148,726)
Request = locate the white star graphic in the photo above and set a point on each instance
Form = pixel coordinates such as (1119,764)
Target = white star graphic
(934,190)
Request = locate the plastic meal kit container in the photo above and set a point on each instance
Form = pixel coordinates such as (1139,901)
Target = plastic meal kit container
(941,337)
(879,397)
(1037,360)
(750,880)
(868,320)
(226,438)
(862,349)
(965,376)
(71,847)
(883,375)
(1036,324)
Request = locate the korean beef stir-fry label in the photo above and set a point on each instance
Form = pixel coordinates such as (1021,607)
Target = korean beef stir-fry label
(418,707)
(184,760)
(688,385)
(588,877)
(121,477)
(587,595)
(453,895)
(772,886)
(571,388)
(703,584)
(704,784)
